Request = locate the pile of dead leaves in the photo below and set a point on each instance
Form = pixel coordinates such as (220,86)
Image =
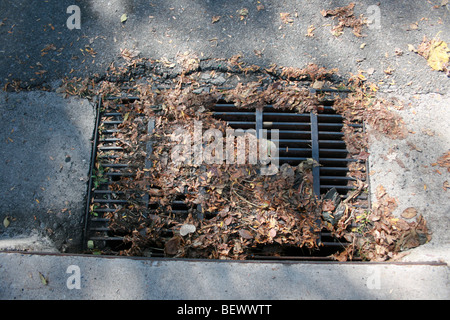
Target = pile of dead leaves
(381,236)
(250,95)
(363,106)
(231,208)
(346,19)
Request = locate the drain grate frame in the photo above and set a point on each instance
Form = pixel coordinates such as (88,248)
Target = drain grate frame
(302,136)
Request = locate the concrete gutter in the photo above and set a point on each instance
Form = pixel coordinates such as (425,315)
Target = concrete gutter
(58,276)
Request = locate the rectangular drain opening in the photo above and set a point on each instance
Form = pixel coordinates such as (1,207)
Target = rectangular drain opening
(316,136)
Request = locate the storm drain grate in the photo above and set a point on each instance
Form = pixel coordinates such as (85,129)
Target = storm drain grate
(302,136)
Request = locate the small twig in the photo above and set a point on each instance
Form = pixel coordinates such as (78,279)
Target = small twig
(242,198)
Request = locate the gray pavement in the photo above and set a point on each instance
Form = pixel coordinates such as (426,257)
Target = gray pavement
(46,141)
(38,47)
(44,160)
(33,276)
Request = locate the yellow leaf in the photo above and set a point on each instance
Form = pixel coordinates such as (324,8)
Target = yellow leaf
(43,279)
(438,57)
(6,222)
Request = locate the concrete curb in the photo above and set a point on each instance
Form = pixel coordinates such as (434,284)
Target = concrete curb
(33,276)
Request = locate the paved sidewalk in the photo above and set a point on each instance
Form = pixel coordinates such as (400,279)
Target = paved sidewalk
(34,276)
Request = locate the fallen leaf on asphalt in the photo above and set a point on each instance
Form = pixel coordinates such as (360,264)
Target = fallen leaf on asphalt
(444,161)
(215,19)
(286,17)
(411,48)
(6,222)
(409,213)
(243,13)
(389,70)
(436,52)
(438,58)
(414,26)
(446,186)
(123,18)
(398,52)
(310,30)
(257,53)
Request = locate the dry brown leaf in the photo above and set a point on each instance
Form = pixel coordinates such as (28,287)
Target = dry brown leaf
(272,233)
(309,32)
(328,205)
(215,19)
(389,70)
(286,17)
(245,234)
(172,246)
(409,213)
(411,48)
(446,185)
(228,220)
(444,161)
(243,13)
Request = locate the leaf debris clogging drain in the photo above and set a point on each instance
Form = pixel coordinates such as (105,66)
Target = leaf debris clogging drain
(303,137)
